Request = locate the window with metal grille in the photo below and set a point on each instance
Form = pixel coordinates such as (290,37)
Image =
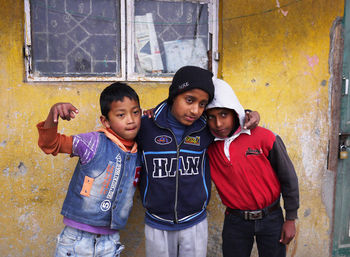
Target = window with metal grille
(100,40)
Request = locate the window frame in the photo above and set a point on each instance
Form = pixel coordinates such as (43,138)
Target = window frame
(127,49)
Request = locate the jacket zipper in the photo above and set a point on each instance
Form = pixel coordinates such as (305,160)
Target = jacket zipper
(177,181)
(177,165)
(177,172)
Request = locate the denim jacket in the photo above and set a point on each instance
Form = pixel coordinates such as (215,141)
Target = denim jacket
(101,191)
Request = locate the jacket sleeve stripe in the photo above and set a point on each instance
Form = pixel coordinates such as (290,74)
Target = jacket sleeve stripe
(160,152)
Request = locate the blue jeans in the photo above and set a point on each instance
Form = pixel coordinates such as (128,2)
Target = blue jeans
(238,235)
(74,242)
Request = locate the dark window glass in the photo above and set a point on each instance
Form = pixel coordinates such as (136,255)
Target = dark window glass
(75,38)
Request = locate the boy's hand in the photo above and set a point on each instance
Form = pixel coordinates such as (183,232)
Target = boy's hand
(288,232)
(251,119)
(64,110)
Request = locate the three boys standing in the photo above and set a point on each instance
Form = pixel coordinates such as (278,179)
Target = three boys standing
(175,179)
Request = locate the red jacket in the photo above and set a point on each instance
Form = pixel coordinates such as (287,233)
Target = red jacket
(259,170)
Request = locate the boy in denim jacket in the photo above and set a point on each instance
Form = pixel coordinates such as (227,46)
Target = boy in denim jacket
(100,193)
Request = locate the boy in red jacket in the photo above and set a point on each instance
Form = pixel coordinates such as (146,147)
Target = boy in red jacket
(250,169)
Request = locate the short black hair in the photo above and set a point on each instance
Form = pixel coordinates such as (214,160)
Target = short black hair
(116,92)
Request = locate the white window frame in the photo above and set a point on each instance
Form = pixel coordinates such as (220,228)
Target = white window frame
(126,47)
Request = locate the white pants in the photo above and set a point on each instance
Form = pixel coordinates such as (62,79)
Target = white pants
(189,242)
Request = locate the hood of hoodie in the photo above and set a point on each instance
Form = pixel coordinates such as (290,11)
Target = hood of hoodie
(225,97)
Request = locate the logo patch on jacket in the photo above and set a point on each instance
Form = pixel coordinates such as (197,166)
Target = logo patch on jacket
(137,176)
(163,140)
(251,151)
(110,182)
(192,140)
(105,205)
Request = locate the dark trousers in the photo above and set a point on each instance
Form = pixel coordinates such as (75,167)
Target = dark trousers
(238,235)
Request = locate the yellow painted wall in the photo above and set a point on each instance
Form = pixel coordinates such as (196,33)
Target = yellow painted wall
(276,59)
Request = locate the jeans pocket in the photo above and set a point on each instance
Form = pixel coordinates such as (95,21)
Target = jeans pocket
(275,216)
(69,236)
(66,242)
(232,219)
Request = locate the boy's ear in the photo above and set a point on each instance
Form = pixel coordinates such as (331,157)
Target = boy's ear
(104,121)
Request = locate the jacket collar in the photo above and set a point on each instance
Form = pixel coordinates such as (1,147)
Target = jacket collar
(238,132)
(115,140)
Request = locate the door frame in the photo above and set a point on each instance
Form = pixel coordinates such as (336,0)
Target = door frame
(340,33)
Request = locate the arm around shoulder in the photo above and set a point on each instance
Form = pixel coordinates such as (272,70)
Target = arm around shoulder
(252,119)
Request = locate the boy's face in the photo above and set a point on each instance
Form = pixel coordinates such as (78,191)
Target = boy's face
(124,118)
(189,106)
(221,121)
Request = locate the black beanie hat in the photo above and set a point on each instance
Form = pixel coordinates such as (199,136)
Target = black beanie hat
(191,77)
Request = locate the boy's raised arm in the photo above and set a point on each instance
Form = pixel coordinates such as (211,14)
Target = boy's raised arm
(49,140)
(64,110)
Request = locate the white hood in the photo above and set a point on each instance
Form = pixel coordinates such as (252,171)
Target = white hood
(224,97)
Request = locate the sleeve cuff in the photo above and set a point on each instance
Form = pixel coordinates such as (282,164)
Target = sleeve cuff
(291,214)
(47,136)
(52,142)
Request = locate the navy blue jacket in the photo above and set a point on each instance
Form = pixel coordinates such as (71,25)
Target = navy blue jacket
(175,179)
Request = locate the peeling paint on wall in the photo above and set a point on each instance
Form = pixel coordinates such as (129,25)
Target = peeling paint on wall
(312,60)
(280,9)
(328,186)
(22,168)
